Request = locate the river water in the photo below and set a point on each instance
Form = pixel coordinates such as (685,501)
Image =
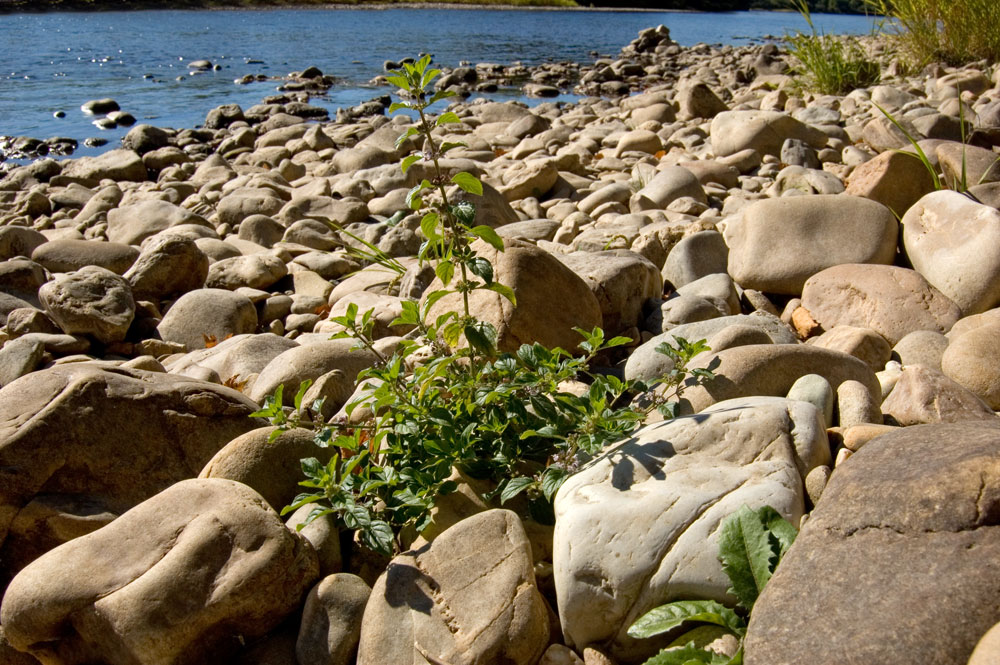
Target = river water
(57,61)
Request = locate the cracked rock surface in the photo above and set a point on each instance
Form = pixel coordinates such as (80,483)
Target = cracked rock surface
(906,534)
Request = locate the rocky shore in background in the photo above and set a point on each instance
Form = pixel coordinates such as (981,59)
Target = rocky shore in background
(152,297)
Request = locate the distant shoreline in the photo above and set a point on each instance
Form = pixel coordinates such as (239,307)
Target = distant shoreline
(35,7)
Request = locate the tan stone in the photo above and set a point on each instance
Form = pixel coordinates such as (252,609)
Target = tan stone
(973,360)
(775,245)
(862,343)
(897,180)
(772,369)
(551,298)
(468,597)
(923,395)
(954,242)
(890,300)
(858,435)
(191,571)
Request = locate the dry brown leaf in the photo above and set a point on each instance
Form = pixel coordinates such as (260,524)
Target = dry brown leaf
(212,340)
(235,383)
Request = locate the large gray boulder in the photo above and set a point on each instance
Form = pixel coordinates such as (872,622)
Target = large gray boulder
(897,563)
(240,357)
(646,363)
(308,362)
(271,467)
(666,186)
(185,577)
(923,395)
(168,266)
(257,271)
(694,257)
(331,620)
(70,255)
(973,360)
(117,165)
(133,223)
(639,526)
(897,180)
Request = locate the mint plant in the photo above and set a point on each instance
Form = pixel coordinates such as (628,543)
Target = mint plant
(751,544)
(437,405)
(449,229)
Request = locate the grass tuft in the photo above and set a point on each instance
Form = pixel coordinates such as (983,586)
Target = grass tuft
(830,64)
(950,31)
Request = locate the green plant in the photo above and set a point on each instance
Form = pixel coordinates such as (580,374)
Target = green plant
(751,544)
(830,64)
(505,418)
(449,229)
(438,406)
(950,31)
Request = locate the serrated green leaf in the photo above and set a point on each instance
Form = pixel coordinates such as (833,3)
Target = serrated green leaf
(378,537)
(303,387)
(401,139)
(468,182)
(617,341)
(745,553)
(301,500)
(409,161)
(445,270)
(781,529)
(514,487)
(311,467)
(478,339)
(670,410)
(464,212)
(452,333)
(429,76)
(664,618)
(355,516)
(413,200)
(409,314)
(396,106)
(441,94)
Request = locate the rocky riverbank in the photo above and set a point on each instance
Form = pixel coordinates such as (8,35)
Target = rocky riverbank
(154,296)
(117,5)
